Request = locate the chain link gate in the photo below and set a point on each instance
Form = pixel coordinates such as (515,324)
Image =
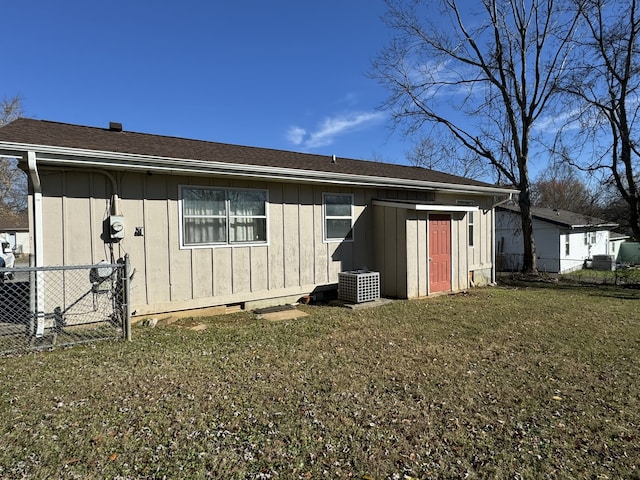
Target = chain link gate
(45,307)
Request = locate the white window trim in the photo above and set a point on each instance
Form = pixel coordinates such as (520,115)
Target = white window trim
(325,218)
(225,244)
(471,230)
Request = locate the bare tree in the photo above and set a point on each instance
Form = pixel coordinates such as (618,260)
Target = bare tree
(606,86)
(615,209)
(484,76)
(13,181)
(561,187)
(434,152)
(10,109)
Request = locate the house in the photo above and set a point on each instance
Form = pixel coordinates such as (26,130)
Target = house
(14,230)
(615,242)
(209,224)
(564,240)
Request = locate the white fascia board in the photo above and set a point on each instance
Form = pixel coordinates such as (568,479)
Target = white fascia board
(426,207)
(597,226)
(62,156)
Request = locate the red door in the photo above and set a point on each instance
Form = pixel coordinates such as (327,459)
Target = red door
(439,253)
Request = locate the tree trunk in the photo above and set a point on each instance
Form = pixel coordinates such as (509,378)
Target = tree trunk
(634,213)
(529,260)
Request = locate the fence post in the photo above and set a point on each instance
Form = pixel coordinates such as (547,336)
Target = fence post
(126,293)
(31,328)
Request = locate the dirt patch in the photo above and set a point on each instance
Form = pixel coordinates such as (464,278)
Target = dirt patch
(289,314)
(189,323)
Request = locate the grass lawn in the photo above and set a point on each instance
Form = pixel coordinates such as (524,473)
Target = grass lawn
(527,382)
(622,276)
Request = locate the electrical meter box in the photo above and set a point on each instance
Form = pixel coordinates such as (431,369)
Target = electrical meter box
(116,227)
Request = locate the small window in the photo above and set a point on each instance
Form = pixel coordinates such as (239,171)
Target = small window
(338,216)
(471,224)
(214,216)
(567,249)
(586,238)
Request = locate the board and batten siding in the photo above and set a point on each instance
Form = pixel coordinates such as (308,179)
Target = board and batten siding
(295,260)
(402,248)
(481,255)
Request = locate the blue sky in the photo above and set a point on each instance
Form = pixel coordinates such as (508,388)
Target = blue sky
(284,74)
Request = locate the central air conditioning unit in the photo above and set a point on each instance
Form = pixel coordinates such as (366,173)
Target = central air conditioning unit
(357,286)
(603,262)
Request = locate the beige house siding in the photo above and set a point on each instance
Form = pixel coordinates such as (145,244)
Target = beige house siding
(417,257)
(481,255)
(402,248)
(294,262)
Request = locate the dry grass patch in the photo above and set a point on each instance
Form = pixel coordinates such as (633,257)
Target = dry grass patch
(499,383)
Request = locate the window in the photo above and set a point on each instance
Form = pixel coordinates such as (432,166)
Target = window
(589,238)
(215,216)
(567,248)
(338,216)
(470,218)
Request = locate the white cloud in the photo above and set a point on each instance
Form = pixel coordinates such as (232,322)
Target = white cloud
(333,127)
(567,120)
(296,135)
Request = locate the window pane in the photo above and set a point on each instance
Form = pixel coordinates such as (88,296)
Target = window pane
(204,230)
(202,201)
(247,203)
(338,228)
(247,230)
(337,205)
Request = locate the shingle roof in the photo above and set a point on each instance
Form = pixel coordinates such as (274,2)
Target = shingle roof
(617,236)
(563,217)
(48,133)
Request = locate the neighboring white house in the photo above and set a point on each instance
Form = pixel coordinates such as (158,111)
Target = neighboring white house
(564,240)
(615,241)
(14,230)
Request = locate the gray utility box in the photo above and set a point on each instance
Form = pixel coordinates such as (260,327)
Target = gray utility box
(603,262)
(357,286)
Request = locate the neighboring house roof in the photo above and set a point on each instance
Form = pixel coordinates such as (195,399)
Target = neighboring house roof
(615,236)
(55,143)
(14,222)
(563,218)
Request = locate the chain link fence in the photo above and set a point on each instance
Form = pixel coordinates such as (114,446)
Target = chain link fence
(46,307)
(623,275)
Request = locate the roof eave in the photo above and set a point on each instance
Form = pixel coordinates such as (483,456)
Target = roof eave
(596,225)
(564,223)
(63,156)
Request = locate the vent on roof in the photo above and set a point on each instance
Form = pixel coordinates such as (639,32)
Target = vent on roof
(115,126)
